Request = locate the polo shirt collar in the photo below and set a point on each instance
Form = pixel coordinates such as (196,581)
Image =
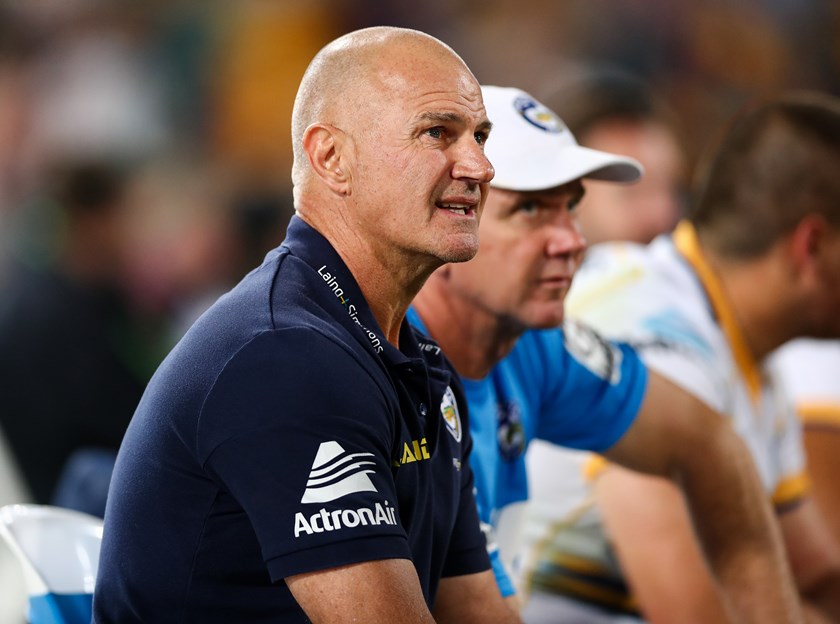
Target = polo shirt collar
(306,243)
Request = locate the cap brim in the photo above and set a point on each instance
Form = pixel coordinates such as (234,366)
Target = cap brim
(571,163)
(603,166)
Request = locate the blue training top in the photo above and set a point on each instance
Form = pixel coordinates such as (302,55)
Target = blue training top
(283,435)
(567,386)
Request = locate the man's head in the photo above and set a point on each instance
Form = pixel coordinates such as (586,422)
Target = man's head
(611,110)
(772,189)
(530,242)
(388,131)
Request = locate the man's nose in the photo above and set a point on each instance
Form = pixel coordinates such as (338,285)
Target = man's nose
(471,163)
(565,239)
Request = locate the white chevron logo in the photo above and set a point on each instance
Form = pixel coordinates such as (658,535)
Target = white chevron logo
(336,473)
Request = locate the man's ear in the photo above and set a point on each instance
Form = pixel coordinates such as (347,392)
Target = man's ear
(805,242)
(324,146)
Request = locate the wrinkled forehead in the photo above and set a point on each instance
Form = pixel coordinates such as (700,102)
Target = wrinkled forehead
(438,81)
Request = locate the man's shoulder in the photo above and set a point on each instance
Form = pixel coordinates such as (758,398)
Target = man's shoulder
(650,297)
(622,286)
(614,270)
(251,335)
(279,299)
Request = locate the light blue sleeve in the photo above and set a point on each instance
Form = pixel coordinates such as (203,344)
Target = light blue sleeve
(592,388)
(502,578)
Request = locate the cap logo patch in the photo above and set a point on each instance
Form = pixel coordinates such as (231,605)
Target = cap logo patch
(538,115)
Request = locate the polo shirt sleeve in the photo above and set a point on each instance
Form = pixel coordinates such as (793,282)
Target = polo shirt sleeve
(593,388)
(298,429)
(793,484)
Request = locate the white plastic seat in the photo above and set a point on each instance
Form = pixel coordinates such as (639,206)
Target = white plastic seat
(58,550)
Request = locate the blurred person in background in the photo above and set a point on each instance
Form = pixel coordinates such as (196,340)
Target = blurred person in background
(612,110)
(810,370)
(756,264)
(74,358)
(141,251)
(193,229)
(98,206)
(79,104)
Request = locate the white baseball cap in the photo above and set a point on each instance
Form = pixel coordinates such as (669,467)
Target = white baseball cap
(532,149)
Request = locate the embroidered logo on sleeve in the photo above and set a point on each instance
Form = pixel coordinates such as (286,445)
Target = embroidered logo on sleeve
(449,411)
(336,473)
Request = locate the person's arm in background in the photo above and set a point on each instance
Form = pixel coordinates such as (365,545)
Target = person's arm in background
(676,435)
(814,557)
(473,599)
(663,563)
(650,529)
(821,438)
(809,370)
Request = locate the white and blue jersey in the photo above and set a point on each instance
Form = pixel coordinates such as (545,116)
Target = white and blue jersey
(666,300)
(566,386)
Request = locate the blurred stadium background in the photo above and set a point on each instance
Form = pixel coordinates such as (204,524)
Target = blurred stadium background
(145,159)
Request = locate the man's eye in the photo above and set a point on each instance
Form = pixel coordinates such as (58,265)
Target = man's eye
(480,138)
(435,133)
(529,207)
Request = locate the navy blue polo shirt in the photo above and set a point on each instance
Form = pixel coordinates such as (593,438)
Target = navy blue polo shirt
(283,435)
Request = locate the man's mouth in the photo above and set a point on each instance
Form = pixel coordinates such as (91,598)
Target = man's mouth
(457,208)
(557,281)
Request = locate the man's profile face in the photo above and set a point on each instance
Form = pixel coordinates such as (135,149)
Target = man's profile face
(634,212)
(531,247)
(421,175)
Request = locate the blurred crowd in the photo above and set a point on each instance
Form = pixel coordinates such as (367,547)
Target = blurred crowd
(145,159)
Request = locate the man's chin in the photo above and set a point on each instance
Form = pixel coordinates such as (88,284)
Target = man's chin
(460,253)
(546,320)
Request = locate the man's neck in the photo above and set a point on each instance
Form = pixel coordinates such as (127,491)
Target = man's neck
(389,282)
(759,295)
(472,338)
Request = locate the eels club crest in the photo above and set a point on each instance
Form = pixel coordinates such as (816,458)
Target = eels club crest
(449,411)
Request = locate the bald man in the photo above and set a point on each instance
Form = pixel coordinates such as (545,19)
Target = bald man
(300,455)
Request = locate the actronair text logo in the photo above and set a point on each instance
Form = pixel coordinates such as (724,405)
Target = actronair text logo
(336,473)
(324,520)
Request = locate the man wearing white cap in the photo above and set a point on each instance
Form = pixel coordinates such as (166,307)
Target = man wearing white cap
(568,386)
